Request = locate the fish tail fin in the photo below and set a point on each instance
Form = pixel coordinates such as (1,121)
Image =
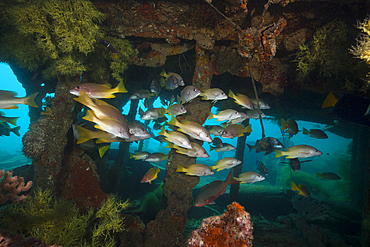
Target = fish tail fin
(162,132)
(12,120)
(120,88)
(279,153)
(179,99)
(90,116)
(162,82)
(329,101)
(305,131)
(231,94)
(84,99)
(294,187)
(317,175)
(170,145)
(213,167)
(250,147)
(284,124)
(248,128)
(230,179)
(211,115)
(163,73)
(103,149)
(83,134)
(30,100)
(180,169)
(204,96)
(211,148)
(16,130)
(131,156)
(173,121)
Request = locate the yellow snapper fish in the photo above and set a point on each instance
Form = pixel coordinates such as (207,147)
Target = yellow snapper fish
(9,101)
(262,103)
(242,100)
(196,151)
(228,114)
(85,135)
(299,151)
(199,170)
(213,94)
(156,157)
(176,109)
(210,192)
(176,138)
(103,110)
(11,120)
(226,163)
(150,175)
(225,147)
(152,113)
(171,81)
(238,120)
(188,94)
(235,130)
(249,177)
(141,94)
(98,91)
(139,155)
(192,129)
(215,130)
(110,125)
(303,191)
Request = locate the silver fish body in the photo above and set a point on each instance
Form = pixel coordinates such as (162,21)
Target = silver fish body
(188,93)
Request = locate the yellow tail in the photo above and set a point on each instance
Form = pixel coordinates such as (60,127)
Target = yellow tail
(84,99)
(11,120)
(163,73)
(90,116)
(284,124)
(211,115)
(248,128)
(180,169)
(173,121)
(329,101)
(231,94)
(120,88)
(317,175)
(162,132)
(102,150)
(30,100)
(279,153)
(294,187)
(84,134)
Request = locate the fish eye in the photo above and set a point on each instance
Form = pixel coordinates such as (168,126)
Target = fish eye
(78,87)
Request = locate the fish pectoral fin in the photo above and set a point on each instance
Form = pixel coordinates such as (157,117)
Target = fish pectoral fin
(210,200)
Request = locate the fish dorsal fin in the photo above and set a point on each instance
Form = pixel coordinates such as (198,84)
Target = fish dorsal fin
(108,85)
(4,93)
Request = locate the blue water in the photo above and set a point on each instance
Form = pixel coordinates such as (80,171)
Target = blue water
(330,147)
(9,81)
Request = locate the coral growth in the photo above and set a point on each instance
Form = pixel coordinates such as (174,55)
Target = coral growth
(10,187)
(61,222)
(50,33)
(52,221)
(233,228)
(362,48)
(34,140)
(310,209)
